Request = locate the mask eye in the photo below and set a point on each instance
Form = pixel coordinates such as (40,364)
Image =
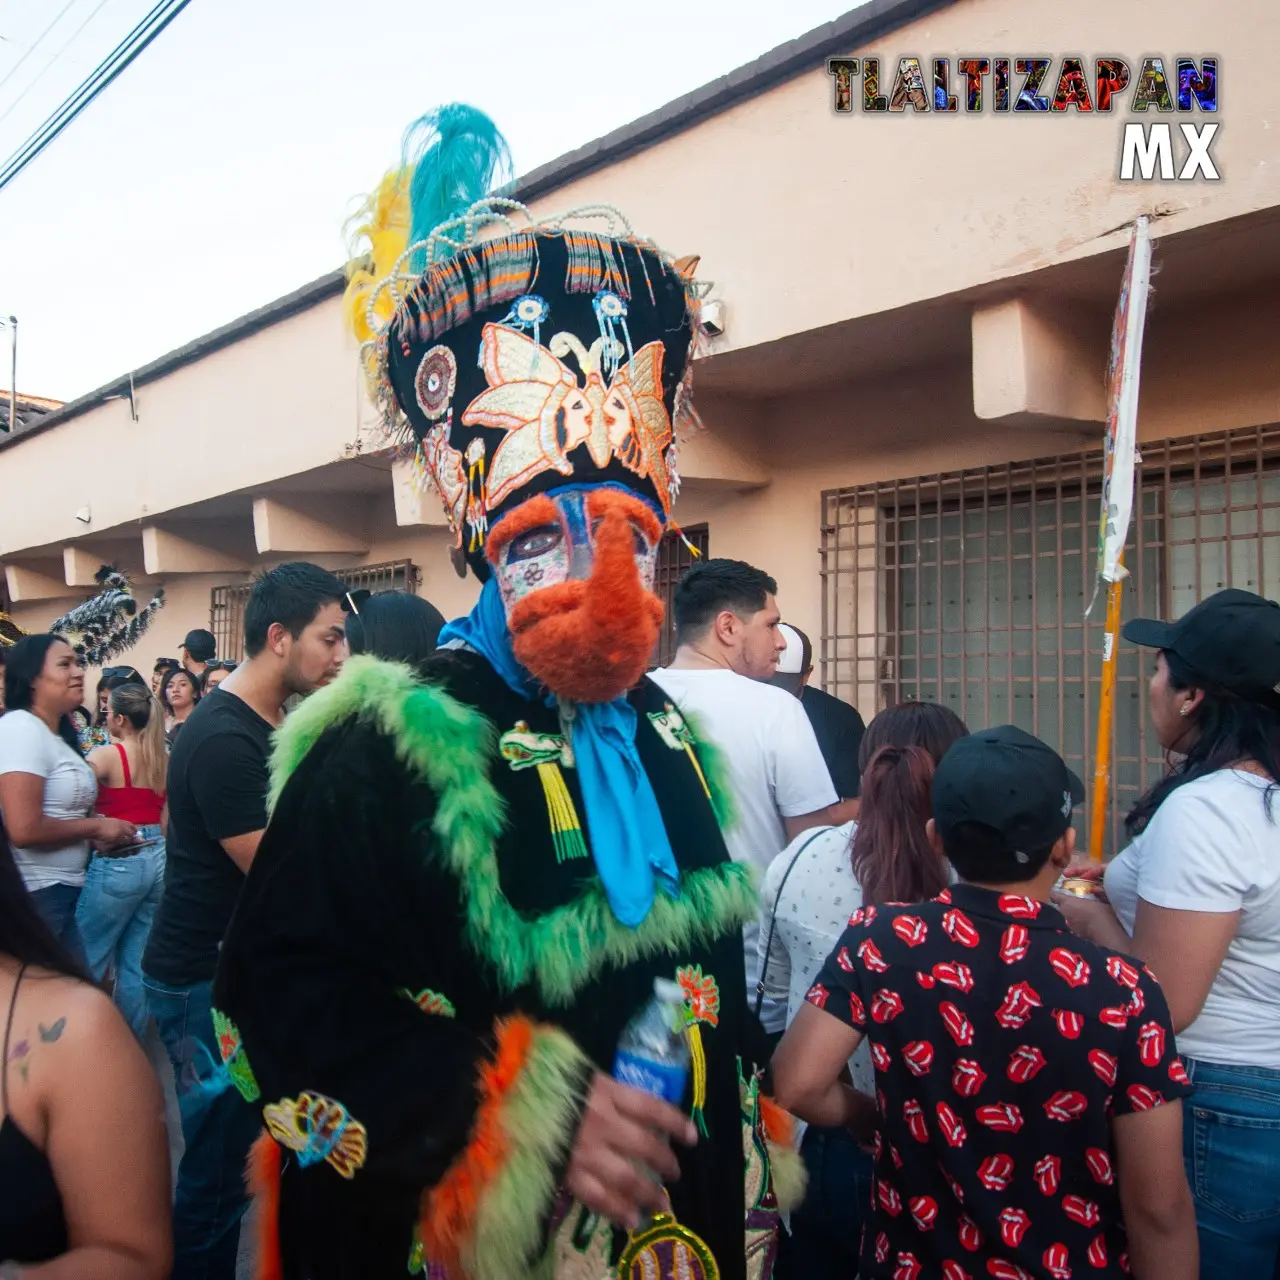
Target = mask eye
(641,543)
(536,542)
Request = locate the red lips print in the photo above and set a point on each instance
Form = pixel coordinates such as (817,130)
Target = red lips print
(1071,968)
(889,1199)
(882,1247)
(886,1005)
(818,995)
(952,1270)
(1057,1262)
(949,1123)
(958,1026)
(1025,1062)
(1066,1105)
(1014,904)
(1143,1099)
(1015,942)
(959,976)
(1178,1073)
(1099,1163)
(1048,1172)
(996,1172)
(844,960)
(870,955)
(857,1010)
(918,1055)
(1151,1044)
(1080,1210)
(1019,1001)
(880,1057)
(970,1236)
(911,929)
(907,1267)
(1097,1254)
(863,915)
(924,1212)
(1104,1066)
(967,1077)
(1114,1017)
(914,1116)
(1069,1024)
(1122,971)
(1001,1116)
(1003,1270)
(1013,1226)
(959,928)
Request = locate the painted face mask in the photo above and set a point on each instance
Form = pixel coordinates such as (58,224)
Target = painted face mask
(575,571)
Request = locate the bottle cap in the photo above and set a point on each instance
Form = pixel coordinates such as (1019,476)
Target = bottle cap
(667,991)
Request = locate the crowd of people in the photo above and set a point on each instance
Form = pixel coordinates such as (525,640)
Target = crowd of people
(984,1065)
(489,952)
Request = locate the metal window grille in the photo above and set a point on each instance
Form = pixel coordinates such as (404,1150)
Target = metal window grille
(226,604)
(674,560)
(970,587)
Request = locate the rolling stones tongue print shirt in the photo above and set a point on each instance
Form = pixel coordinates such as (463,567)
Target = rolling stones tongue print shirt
(1003,1046)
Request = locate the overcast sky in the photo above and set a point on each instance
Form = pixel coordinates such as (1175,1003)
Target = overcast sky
(215,173)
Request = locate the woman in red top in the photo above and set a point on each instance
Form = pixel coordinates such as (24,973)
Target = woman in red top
(122,888)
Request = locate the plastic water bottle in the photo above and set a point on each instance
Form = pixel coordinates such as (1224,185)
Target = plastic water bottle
(653,1053)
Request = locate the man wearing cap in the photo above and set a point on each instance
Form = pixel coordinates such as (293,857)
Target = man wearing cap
(1029,1088)
(199,648)
(837,726)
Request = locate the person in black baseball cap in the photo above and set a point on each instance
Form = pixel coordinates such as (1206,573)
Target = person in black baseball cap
(1002,803)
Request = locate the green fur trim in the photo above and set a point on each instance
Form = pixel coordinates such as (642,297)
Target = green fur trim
(790,1178)
(451,746)
(715,768)
(540,1117)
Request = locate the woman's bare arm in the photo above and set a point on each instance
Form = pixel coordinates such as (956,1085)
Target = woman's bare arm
(22,802)
(106,1142)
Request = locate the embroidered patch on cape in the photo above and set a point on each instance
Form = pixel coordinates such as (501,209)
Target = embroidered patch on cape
(431,1002)
(234,1058)
(701,1005)
(318,1128)
(666,1250)
(523,749)
(674,730)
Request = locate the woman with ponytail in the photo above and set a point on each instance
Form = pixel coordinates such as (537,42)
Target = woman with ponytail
(122,887)
(809,893)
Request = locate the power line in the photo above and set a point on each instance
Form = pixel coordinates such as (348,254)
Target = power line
(32,48)
(71,39)
(98,79)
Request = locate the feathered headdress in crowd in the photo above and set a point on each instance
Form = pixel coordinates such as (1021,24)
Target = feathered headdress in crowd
(10,632)
(104,627)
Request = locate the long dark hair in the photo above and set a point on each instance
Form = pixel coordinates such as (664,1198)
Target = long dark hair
(1227,729)
(892,858)
(395,625)
(22,666)
(174,674)
(23,932)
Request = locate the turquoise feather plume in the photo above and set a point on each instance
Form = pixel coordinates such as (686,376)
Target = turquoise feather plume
(457,156)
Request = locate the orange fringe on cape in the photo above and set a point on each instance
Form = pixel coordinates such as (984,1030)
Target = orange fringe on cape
(449,1208)
(262,1173)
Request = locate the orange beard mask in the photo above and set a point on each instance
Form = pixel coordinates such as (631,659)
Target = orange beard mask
(590,641)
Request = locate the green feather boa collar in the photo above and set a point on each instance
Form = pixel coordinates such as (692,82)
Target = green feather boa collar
(450,746)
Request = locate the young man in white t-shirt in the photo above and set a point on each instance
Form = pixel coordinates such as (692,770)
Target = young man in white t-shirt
(727,620)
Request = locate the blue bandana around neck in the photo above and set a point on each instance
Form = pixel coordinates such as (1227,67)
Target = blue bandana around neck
(628,837)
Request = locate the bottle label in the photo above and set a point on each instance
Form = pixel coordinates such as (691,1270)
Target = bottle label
(662,1080)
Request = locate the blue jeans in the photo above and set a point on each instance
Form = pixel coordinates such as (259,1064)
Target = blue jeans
(57,907)
(1231,1141)
(115,913)
(826,1230)
(217,1129)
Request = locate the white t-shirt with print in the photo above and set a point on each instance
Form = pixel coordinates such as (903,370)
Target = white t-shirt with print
(70,791)
(775,766)
(1211,847)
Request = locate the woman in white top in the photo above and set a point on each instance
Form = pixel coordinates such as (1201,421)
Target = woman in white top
(1196,895)
(810,891)
(47,791)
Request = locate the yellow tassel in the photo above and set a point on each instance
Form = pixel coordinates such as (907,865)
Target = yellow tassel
(566,831)
(699,1056)
(693,756)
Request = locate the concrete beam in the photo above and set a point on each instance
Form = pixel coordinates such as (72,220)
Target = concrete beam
(707,460)
(26,582)
(1037,365)
(306,525)
(417,503)
(165,552)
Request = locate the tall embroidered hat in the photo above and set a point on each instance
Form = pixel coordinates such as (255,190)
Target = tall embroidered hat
(513,356)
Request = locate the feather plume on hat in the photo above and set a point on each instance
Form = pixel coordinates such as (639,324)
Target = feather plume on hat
(104,627)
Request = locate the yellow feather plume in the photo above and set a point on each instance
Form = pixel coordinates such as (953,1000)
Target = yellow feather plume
(378,233)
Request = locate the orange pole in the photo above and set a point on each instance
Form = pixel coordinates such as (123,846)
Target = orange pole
(1106,719)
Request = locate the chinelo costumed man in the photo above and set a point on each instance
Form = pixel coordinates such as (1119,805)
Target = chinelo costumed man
(474,872)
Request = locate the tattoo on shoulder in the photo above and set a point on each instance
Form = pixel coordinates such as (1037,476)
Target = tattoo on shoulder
(50,1034)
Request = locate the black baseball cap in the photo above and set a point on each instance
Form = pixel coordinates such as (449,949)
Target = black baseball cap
(1231,640)
(200,645)
(1015,790)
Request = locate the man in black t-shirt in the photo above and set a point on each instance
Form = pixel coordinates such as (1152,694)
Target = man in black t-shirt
(217,790)
(837,726)
(1027,1115)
